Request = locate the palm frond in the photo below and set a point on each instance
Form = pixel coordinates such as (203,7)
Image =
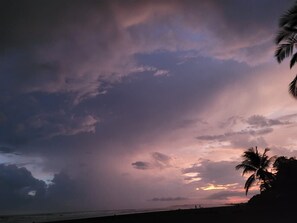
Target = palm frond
(250,181)
(257,152)
(265,151)
(251,152)
(286,40)
(245,164)
(247,168)
(293,87)
(258,164)
(293,60)
(289,17)
(266,163)
(240,166)
(251,157)
(282,35)
(290,29)
(284,50)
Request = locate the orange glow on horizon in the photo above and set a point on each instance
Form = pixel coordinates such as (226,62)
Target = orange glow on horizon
(217,187)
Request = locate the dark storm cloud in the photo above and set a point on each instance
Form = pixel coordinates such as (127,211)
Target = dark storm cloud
(7,150)
(146,108)
(2,117)
(169,199)
(20,191)
(29,122)
(77,46)
(66,193)
(253,43)
(56,124)
(55,45)
(81,49)
(18,188)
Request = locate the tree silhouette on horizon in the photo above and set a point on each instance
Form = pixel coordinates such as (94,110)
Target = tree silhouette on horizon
(286,41)
(257,164)
(282,193)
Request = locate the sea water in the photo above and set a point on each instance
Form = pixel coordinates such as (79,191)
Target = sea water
(47,217)
(30,218)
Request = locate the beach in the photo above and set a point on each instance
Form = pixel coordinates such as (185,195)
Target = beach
(217,214)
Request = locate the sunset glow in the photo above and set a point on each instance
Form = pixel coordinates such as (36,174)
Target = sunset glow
(218,187)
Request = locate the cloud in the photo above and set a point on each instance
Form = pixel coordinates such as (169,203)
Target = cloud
(48,125)
(142,165)
(231,122)
(161,160)
(224,195)
(260,121)
(159,73)
(2,117)
(169,199)
(65,193)
(158,160)
(252,134)
(65,62)
(210,172)
(79,89)
(54,64)
(18,188)
(187,123)
(282,151)
(21,192)
(161,157)
(82,57)
(7,150)
(227,135)
(288,117)
(244,141)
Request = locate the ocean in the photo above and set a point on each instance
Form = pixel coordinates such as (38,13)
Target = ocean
(46,217)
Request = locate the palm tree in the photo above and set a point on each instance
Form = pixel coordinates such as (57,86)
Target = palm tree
(257,164)
(286,41)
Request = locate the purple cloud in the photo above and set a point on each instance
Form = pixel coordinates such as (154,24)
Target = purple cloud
(142,165)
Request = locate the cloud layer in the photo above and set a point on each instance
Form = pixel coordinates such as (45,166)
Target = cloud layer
(98,102)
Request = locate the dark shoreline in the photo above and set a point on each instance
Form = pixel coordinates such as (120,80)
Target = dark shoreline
(237,213)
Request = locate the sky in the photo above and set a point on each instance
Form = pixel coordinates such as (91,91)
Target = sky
(137,104)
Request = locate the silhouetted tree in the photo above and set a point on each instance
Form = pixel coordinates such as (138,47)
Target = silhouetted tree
(257,164)
(282,192)
(286,41)
(286,178)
